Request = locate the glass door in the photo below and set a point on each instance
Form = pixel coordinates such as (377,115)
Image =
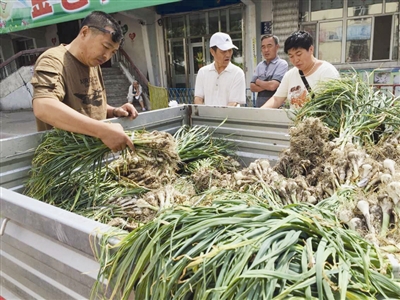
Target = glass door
(197,59)
(177,63)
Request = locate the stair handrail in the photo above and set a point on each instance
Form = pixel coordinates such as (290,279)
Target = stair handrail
(23,52)
(3,66)
(135,71)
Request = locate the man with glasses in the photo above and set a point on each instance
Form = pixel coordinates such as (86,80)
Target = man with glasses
(268,73)
(68,85)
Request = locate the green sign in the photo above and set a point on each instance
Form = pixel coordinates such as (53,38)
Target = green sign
(18,15)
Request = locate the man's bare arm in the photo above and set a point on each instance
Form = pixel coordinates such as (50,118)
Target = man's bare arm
(270,85)
(255,88)
(198,100)
(274,102)
(61,116)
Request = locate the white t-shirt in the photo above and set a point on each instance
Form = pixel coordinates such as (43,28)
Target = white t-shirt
(293,88)
(132,93)
(220,89)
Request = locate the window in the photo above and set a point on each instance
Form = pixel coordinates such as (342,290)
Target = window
(392,6)
(364,7)
(358,40)
(178,60)
(312,29)
(237,56)
(197,24)
(330,41)
(326,9)
(176,27)
(235,19)
(382,29)
(352,30)
(223,20)
(204,23)
(188,34)
(213,21)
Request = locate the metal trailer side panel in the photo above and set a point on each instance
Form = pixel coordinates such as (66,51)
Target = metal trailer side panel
(257,133)
(45,251)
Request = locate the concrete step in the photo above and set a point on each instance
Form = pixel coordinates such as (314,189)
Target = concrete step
(116,85)
(111,71)
(115,79)
(117,90)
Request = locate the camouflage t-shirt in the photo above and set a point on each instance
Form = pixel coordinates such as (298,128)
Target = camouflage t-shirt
(59,75)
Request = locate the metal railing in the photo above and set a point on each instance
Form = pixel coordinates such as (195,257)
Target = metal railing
(181,95)
(21,59)
(392,88)
(124,58)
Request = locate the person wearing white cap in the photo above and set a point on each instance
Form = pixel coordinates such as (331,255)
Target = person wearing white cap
(220,83)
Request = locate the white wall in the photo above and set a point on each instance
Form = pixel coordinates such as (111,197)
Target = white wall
(250,37)
(135,48)
(256,11)
(266,10)
(51,33)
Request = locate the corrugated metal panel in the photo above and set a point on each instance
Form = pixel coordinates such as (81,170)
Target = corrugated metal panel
(285,16)
(45,252)
(258,133)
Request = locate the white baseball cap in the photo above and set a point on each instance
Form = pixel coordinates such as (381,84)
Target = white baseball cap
(222,40)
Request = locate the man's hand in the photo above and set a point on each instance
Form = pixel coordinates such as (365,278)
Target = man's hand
(126,110)
(115,138)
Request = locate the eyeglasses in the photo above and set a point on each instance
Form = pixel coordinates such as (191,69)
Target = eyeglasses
(115,36)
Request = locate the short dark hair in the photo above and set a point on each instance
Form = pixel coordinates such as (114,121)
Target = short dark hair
(267,36)
(298,39)
(100,20)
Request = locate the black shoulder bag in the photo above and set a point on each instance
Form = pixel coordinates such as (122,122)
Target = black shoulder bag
(304,79)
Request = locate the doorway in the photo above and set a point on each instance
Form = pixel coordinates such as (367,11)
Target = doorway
(67,31)
(21,44)
(197,59)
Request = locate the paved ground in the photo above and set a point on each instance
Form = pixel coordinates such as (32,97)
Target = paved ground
(14,123)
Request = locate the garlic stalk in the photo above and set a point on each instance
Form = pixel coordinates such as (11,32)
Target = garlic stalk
(356,159)
(363,206)
(393,190)
(386,206)
(143,204)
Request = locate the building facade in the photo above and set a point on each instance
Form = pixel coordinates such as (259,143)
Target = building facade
(351,34)
(169,42)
